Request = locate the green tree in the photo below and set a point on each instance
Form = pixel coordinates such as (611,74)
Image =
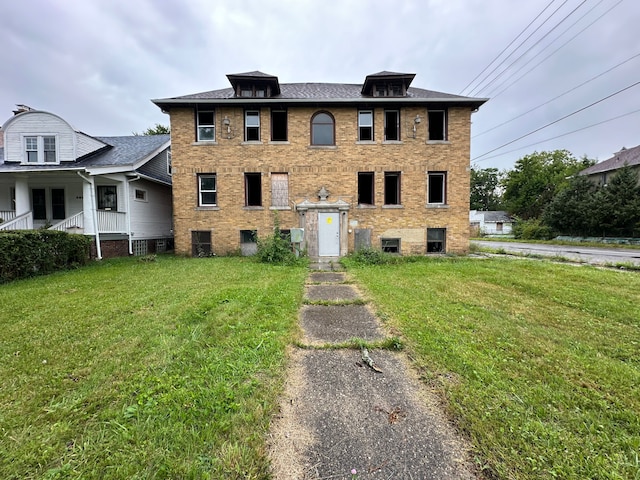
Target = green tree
(155,130)
(618,204)
(485,192)
(572,211)
(536,179)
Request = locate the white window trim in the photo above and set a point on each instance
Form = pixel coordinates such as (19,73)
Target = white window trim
(201,191)
(39,149)
(362,125)
(444,187)
(254,114)
(145,198)
(206,125)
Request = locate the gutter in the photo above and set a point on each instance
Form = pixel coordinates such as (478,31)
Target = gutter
(90,181)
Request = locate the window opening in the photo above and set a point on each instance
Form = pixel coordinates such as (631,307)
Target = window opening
(392,188)
(365,125)
(207,190)
(366,188)
(39,204)
(206,126)
(252,125)
(253,189)
(278,125)
(436,240)
(391,245)
(201,243)
(322,129)
(280,190)
(436,187)
(391,125)
(437,125)
(107,197)
(57,204)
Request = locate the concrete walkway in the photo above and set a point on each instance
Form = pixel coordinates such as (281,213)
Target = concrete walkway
(338,414)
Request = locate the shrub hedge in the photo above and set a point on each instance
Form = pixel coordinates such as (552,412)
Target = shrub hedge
(26,253)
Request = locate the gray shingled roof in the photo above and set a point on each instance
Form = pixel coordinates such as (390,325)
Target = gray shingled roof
(497,216)
(629,156)
(323,92)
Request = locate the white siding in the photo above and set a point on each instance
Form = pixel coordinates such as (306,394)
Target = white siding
(86,144)
(39,123)
(150,218)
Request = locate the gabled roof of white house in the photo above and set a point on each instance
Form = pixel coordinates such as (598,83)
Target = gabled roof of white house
(497,216)
(629,156)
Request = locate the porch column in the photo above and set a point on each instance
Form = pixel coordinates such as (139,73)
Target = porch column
(23,202)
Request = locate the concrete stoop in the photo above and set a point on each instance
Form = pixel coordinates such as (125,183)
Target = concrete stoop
(338,414)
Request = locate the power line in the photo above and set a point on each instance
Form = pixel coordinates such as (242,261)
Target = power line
(557,97)
(531,47)
(561,135)
(552,53)
(516,49)
(556,121)
(507,47)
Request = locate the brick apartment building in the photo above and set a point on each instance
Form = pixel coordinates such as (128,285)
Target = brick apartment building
(379,164)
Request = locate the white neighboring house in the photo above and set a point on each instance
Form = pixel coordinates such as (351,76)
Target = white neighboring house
(115,189)
(491,222)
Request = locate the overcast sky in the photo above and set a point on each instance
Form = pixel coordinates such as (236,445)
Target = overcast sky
(97,63)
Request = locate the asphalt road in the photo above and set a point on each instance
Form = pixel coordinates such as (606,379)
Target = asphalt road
(594,255)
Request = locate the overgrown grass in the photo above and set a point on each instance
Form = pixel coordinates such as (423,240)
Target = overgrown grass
(127,369)
(539,363)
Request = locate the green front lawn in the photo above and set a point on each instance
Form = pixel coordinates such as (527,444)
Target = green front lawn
(125,369)
(538,363)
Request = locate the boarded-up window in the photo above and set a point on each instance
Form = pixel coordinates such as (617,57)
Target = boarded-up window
(280,190)
(362,238)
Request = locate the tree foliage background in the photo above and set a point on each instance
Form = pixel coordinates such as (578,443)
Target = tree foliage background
(157,129)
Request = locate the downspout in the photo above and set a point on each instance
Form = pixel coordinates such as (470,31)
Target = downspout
(90,181)
(127,195)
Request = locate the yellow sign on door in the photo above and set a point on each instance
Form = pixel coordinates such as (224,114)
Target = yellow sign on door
(329,220)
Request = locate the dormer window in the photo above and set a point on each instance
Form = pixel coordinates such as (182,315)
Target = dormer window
(389,90)
(40,149)
(253,91)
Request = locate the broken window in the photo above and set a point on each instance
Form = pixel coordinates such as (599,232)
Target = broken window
(253,189)
(436,240)
(392,188)
(366,188)
(391,245)
(248,242)
(201,243)
(438,125)
(280,190)
(252,126)
(365,125)
(322,129)
(391,125)
(207,190)
(278,125)
(436,187)
(206,129)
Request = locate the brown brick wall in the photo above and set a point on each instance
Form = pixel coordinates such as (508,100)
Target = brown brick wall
(311,167)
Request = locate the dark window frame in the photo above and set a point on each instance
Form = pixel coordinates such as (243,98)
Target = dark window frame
(390,133)
(390,245)
(278,117)
(366,188)
(438,125)
(315,123)
(436,245)
(201,243)
(437,188)
(392,188)
(253,189)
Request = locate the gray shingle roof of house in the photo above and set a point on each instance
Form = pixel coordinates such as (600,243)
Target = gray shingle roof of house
(630,156)
(320,91)
(497,216)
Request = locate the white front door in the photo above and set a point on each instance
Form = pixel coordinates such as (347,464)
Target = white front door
(328,234)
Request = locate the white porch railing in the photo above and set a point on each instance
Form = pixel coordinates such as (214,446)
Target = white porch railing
(112,222)
(6,215)
(20,222)
(75,222)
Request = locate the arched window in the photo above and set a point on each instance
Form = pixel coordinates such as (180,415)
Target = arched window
(322,129)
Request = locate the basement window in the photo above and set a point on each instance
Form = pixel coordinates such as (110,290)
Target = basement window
(391,245)
(392,188)
(436,238)
(438,125)
(253,189)
(366,188)
(201,243)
